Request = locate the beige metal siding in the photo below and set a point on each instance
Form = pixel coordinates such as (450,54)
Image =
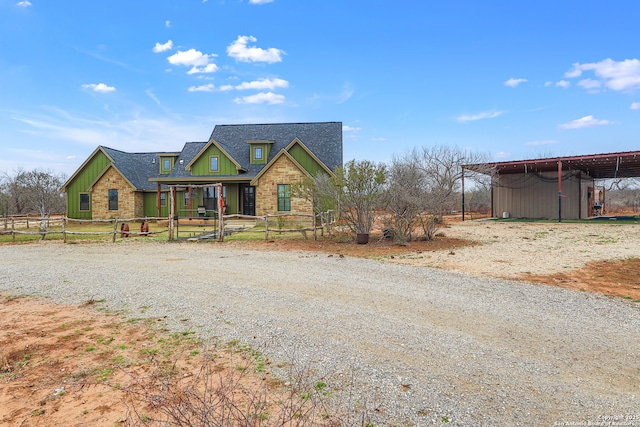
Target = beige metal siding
(536,196)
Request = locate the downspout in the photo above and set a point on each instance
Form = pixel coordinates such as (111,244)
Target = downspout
(559,190)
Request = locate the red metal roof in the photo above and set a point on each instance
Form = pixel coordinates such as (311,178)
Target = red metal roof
(611,165)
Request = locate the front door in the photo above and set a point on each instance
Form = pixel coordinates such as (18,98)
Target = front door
(249,200)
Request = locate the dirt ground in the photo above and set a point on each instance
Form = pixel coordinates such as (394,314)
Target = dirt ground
(77,366)
(601,258)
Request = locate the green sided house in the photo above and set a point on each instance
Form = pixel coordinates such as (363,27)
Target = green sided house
(255,163)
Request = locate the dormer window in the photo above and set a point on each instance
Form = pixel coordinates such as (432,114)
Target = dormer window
(260,151)
(166,162)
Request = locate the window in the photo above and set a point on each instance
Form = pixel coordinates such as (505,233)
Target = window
(257,153)
(166,164)
(210,197)
(163,199)
(213,164)
(84,201)
(186,198)
(284,197)
(113,200)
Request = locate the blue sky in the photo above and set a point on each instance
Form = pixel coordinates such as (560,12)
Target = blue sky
(513,79)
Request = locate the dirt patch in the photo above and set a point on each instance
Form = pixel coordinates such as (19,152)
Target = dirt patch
(617,278)
(67,365)
(377,248)
(62,365)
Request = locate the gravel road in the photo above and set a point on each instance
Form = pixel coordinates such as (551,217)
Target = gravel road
(428,346)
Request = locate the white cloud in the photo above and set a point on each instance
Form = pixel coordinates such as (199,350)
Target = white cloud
(100,87)
(260,84)
(167,23)
(514,82)
(163,47)
(209,68)
(547,84)
(379,139)
(563,84)
(346,94)
(590,84)
(480,116)
(134,133)
(203,88)
(260,1)
(346,128)
(152,95)
(25,3)
(584,122)
(502,155)
(241,52)
(635,106)
(623,76)
(199,62)
(261,98)
(542,142)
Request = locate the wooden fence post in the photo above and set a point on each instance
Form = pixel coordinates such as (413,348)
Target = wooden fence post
(115,230)
(315,228)
(171,213)
(64,229)
(13,230)
(266,226)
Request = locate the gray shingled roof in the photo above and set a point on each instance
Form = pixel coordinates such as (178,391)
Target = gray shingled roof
(324,139)
(136,167)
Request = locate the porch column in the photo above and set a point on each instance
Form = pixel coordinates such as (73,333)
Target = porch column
(158,202)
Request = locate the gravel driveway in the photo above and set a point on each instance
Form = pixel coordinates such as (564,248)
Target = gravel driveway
(428,346)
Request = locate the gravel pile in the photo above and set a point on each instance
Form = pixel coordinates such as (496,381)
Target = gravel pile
(426,346)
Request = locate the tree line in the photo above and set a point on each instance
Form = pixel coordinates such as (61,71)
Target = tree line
(28,192)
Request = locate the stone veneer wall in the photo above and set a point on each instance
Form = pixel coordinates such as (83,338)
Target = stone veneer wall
(130,202)
(283,171)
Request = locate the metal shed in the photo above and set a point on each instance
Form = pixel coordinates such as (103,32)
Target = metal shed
(557,187)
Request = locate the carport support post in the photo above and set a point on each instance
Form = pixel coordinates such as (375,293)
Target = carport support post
(463,193)
(559,190)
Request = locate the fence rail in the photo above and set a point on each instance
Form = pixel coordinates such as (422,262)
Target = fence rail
(47,226)
(59,225)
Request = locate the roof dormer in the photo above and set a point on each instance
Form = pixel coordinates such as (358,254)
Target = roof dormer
(260,151)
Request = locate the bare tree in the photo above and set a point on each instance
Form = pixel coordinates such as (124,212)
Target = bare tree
(426,183)
(404,197)
(33,191)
